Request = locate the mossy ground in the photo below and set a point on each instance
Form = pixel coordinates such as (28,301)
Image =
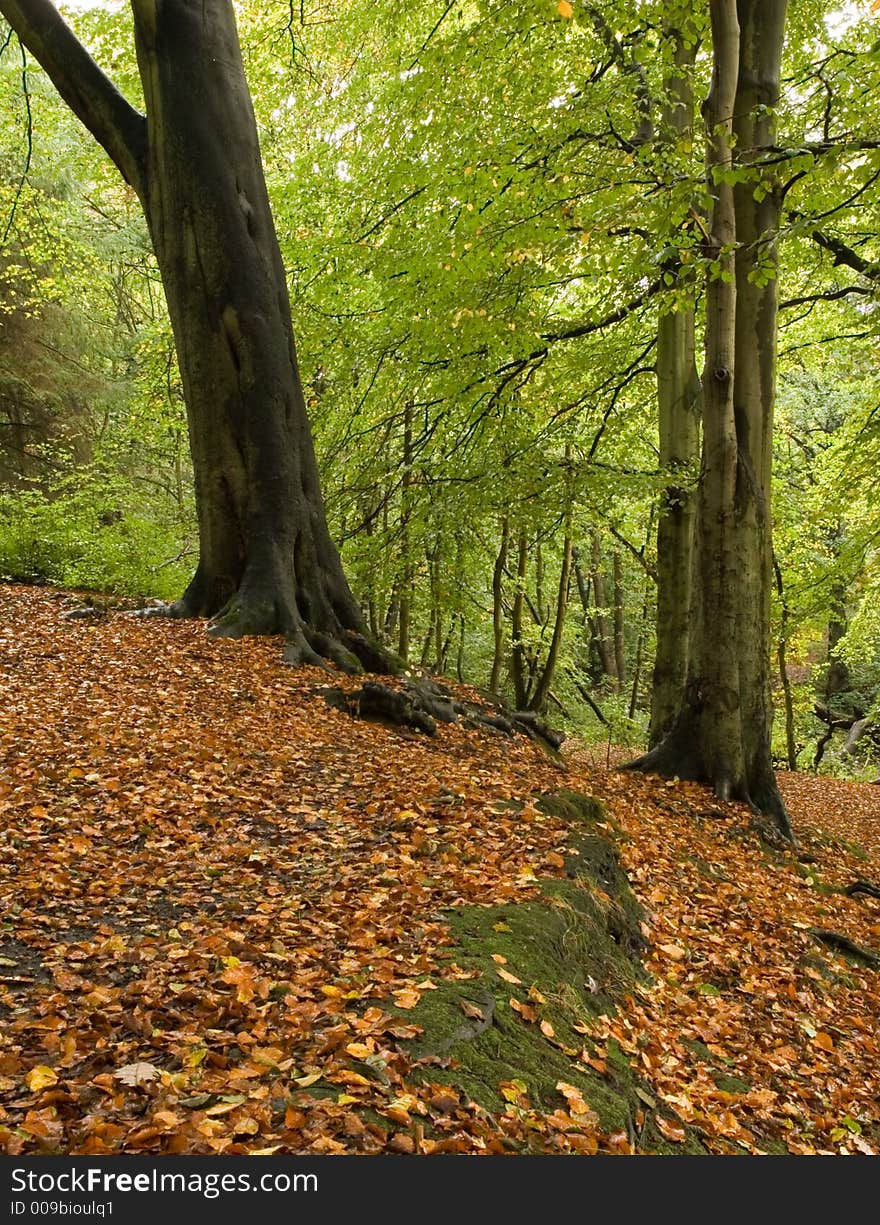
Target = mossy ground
(575,952)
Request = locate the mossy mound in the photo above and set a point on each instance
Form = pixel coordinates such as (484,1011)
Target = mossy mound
(572,955)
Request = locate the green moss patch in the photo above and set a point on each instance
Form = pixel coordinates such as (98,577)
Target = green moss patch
(575,954)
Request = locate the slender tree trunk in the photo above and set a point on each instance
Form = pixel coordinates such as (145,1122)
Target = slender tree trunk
(594,665)
(459,655)
(404,605)
(543,612)
(441,644)
(542,689)
(517,654)
(640,649)
(722,731)
(391,614)
(605,640)
(445,645)
(678,403)
(498,607)
(425,656)
(619,620)
(837,678)
(433,652)
(784,679)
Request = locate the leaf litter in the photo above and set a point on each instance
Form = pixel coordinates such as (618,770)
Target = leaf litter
(221,897)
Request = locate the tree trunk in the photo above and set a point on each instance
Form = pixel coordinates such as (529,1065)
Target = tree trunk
(459,656)
(762,25)
(594,665)
(619,620)
(518,649)
(498,607)
(837,679)
(605,640)
(405,591)
(678,404)
(267,563)
(784,679)
(640,648)
(542,611)
(721,734)
(542,689)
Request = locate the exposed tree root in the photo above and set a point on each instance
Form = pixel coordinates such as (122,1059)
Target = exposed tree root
(423,704)
(89,612)
(843,944)
(679,756)
(337,645)
(862,886)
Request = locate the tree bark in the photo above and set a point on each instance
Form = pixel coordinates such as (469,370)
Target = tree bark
(721,734)
(837,679)
(640,648)
(594,667)
(267,563)
(762,24)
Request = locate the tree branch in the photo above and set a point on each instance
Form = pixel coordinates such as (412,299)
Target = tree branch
(598,325)
(638,554)
(845,255)
(92,96)
(395,208)
(828,295)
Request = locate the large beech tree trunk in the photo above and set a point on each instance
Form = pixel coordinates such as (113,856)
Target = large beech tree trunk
(721,733)
(267,563)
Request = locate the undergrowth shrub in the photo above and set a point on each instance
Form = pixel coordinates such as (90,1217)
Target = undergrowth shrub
(94,532)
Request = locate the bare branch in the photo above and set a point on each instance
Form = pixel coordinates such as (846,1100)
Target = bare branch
(829,295)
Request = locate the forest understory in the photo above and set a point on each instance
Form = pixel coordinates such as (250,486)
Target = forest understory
(236,920)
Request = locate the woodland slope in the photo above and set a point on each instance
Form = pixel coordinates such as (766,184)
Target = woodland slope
(237,920)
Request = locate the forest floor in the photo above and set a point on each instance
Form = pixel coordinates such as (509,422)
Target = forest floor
(226,907)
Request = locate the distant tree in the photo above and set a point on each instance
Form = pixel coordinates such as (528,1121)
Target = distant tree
(267,563)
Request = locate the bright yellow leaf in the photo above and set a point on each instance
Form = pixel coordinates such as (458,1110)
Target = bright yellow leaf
(41,1077)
